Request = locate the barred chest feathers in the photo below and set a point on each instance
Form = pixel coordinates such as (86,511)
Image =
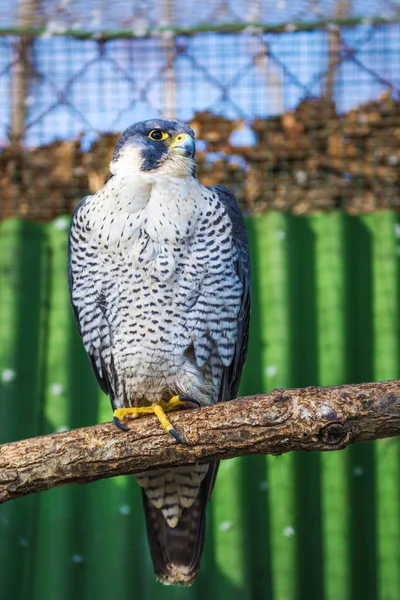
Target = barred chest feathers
(157,245)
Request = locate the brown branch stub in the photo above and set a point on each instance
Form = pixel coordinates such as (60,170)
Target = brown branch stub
(292,419)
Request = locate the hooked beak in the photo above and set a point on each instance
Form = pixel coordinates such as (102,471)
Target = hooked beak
(184,145)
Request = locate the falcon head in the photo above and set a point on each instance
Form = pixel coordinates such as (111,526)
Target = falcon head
(155,146)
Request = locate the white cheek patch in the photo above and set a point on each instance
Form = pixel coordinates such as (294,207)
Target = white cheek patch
(129,161)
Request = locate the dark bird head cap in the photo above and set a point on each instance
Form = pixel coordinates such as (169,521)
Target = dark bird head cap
(155,146)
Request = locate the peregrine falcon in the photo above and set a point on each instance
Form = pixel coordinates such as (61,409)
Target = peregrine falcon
(159,279)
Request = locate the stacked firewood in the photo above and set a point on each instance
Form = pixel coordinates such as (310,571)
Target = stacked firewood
(309,159)
(41,182)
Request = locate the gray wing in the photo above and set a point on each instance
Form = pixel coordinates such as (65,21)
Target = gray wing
(232,374)
(101,370)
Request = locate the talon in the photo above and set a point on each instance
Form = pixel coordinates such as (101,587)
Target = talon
(189,400)
(157,408)
(176,435)
(118,423)
(159,411)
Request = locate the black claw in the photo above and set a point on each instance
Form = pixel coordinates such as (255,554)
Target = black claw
(177,436)
(189,400)
(118,423)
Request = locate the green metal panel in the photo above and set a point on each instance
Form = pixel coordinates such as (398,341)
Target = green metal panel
(270,286)
(385,233)
(57,568)
(331,341)
(300,526)
(23,291)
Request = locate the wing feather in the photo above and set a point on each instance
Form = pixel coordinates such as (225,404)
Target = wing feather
(232,374)
(101,370)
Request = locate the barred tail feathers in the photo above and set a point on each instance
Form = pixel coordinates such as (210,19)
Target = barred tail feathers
(176,551)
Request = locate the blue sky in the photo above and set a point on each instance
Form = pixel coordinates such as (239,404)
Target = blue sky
(79,90)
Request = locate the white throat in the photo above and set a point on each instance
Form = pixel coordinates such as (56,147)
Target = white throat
(165,202)
(173,208)
(165,207)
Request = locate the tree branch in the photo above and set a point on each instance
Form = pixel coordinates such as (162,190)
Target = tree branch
(297,419)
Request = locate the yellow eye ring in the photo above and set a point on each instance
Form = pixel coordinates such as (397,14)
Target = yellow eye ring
(157,135)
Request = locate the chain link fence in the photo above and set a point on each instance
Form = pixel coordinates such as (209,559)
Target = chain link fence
(295,105)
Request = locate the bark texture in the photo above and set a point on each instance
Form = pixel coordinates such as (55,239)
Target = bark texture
(310,418)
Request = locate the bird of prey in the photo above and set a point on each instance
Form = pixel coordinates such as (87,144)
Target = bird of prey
(159,278)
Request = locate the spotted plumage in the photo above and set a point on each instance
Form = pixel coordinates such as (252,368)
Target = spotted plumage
(160,285)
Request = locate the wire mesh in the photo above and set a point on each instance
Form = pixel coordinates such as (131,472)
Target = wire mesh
(296,108)
(302,117)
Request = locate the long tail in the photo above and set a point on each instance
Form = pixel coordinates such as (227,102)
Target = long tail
(176,552)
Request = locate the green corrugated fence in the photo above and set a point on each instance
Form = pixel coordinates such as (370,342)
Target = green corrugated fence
(301,526)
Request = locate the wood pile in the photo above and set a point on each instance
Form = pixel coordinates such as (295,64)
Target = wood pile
(309,159)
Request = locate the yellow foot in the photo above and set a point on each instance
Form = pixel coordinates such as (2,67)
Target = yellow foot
(157,408)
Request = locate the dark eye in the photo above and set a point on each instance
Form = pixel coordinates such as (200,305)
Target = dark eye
(157,135)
